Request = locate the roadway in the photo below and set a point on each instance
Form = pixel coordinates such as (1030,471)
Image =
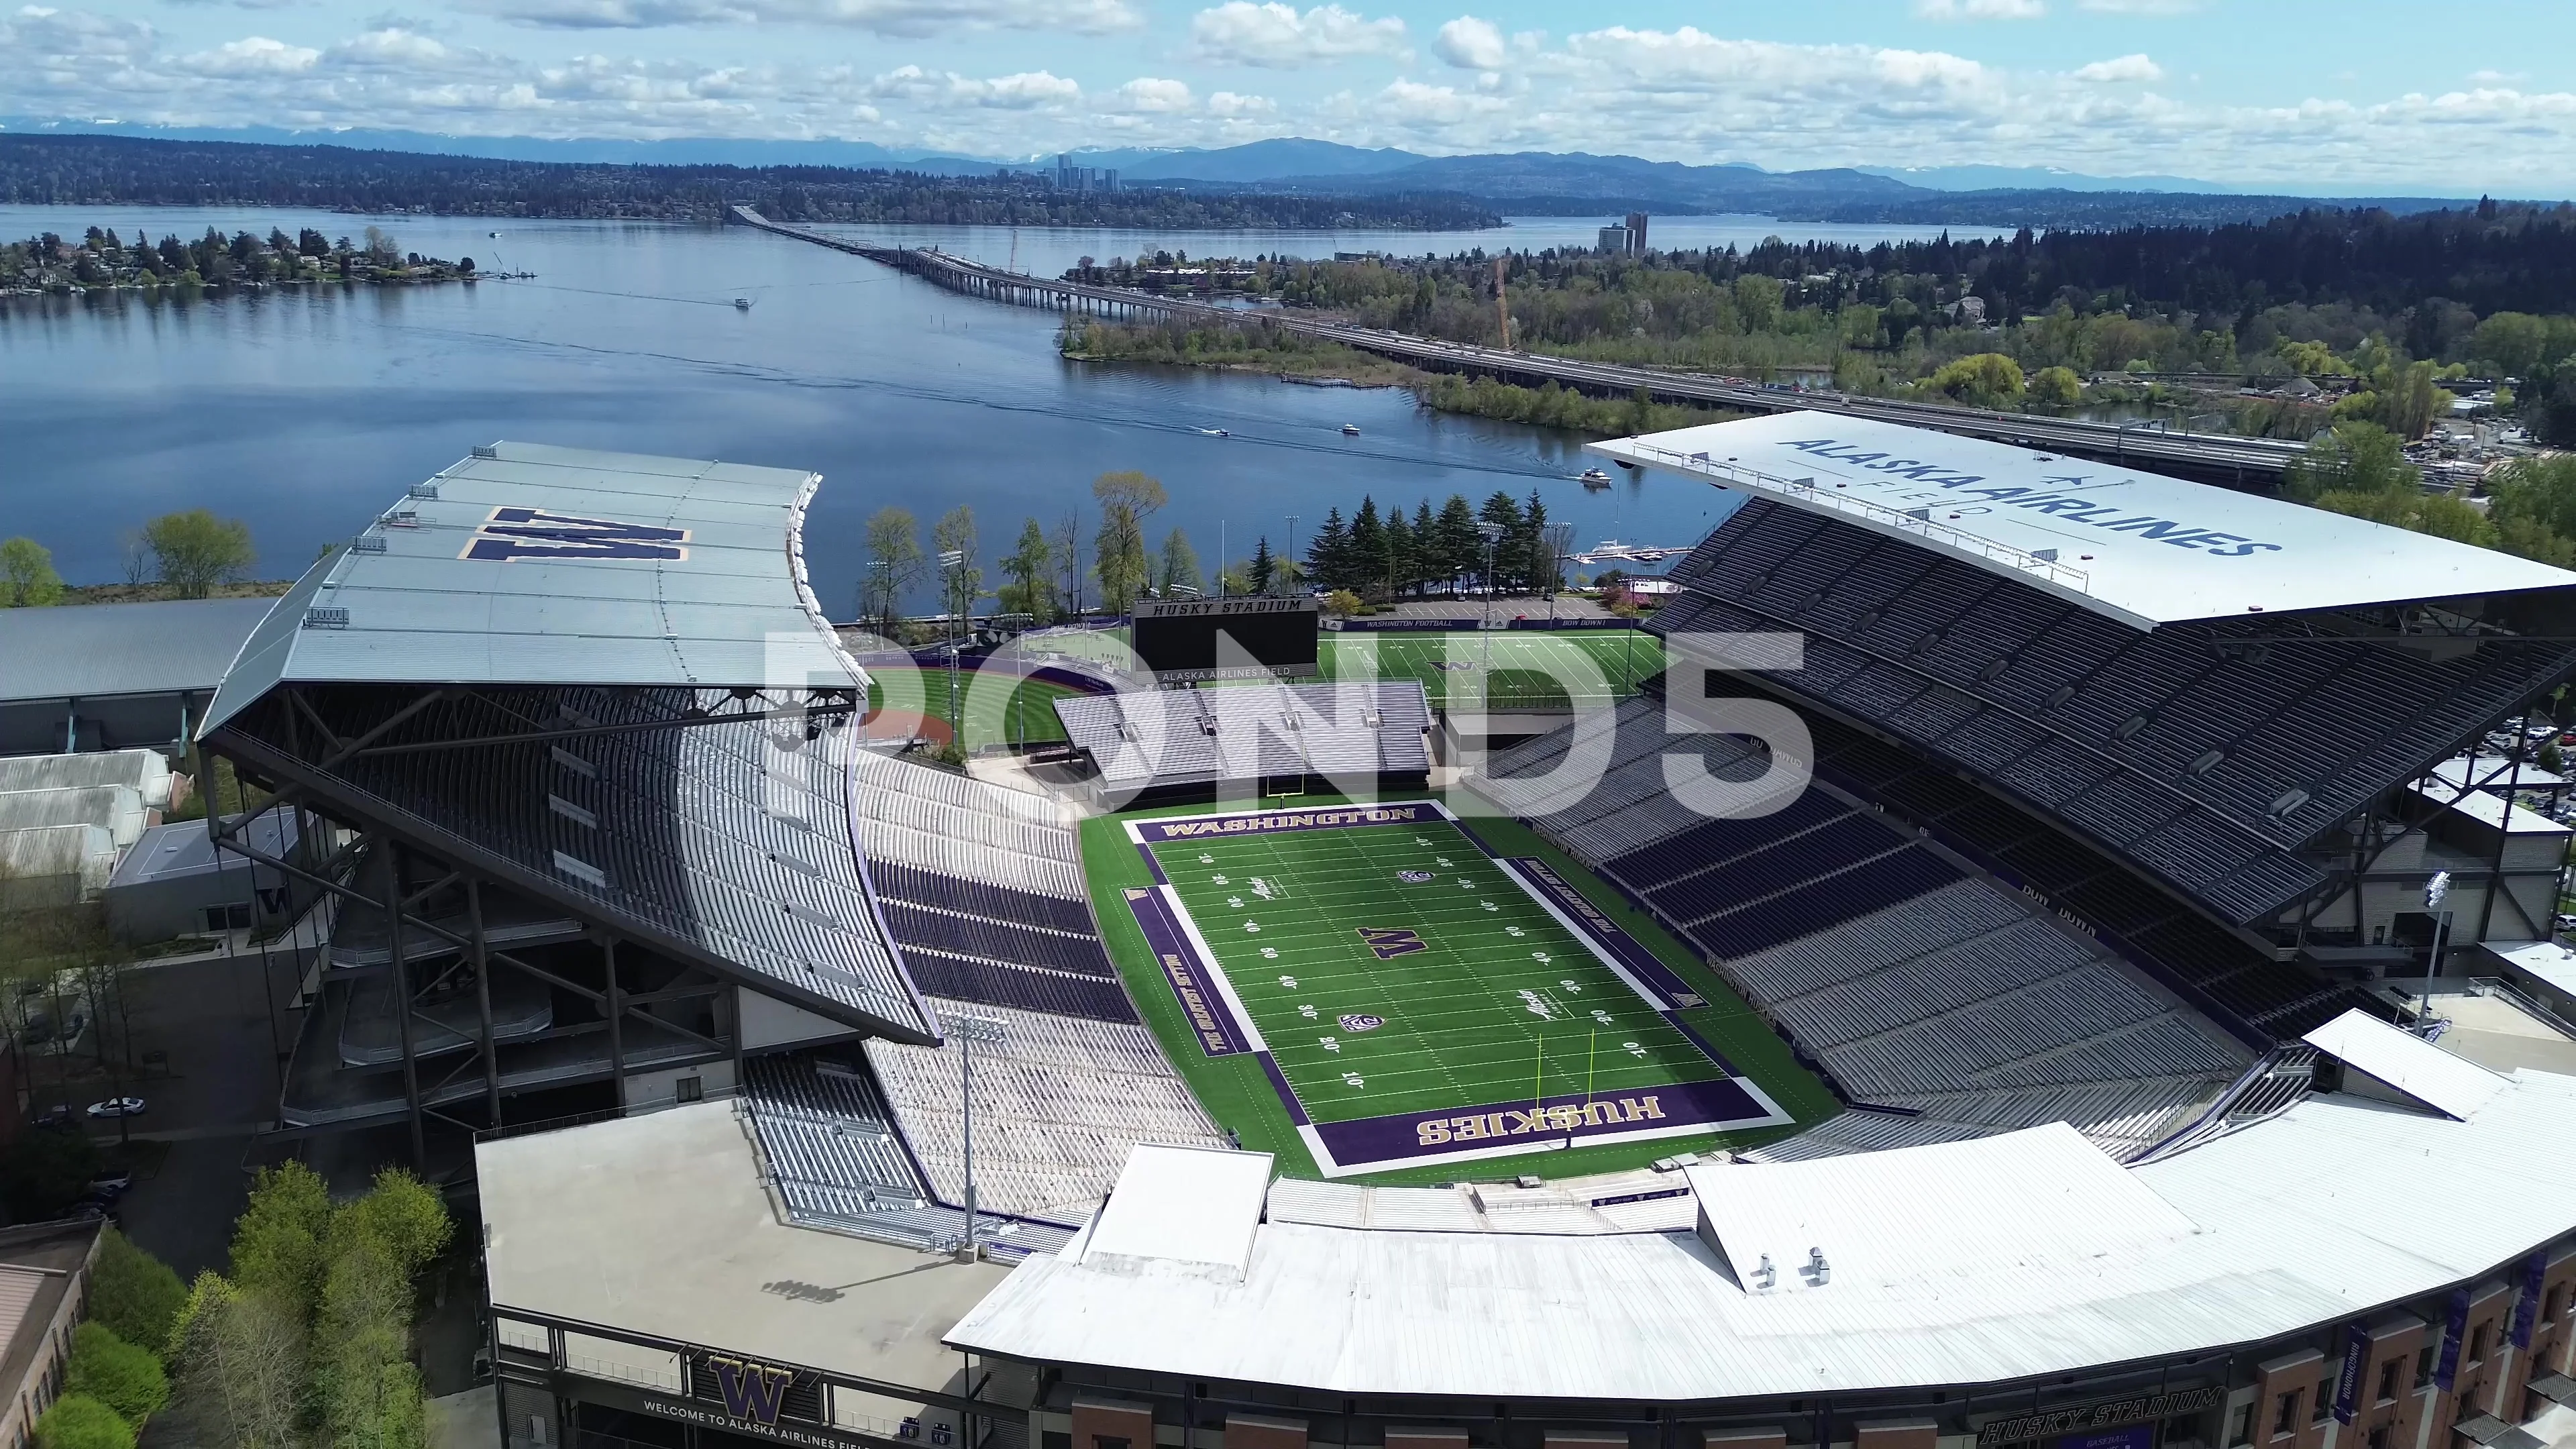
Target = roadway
(2218,457)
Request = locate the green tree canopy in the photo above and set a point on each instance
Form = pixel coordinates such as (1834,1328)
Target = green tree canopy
(401,1216)
(893,562)
(2057,387)
(1984,380)
(27,577)
(2355,457)
(1180,564)
(1029,567)
(194,551)
(77,1421)
(124,1376)
(280,1242)
(134,1293)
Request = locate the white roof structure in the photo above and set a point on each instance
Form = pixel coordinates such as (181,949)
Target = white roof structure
(2407,1064)
(2488,809)
(2031,1198)
(1180,1205)
(2291,1226)
(703,1257)
(2546,961)
(529,564)
(2139,547)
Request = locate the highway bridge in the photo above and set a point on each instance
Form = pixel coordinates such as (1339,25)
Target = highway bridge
(2214,457)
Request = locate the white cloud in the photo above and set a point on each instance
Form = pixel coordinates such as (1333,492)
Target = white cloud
(2498,77)
(1234,106)
(1980,9)
(251,55)
(1275,35)
(1471,44)
(885,17)
(393,47)
(1028,90)
(2121,69)
(1153,94)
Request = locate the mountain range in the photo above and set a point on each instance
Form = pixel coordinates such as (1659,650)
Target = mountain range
(1529,182)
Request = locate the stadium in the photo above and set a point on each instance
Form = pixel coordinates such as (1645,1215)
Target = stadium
(1970,994)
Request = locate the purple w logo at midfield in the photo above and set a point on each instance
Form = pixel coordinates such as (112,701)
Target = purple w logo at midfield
(1390,942)
(516,533)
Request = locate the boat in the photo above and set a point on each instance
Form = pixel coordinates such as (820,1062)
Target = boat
(742,304)
(1350,430)
(1212,432)
(1595,479)
(494,233)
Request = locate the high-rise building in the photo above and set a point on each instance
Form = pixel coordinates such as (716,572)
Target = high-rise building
(1614,241)
(1636,233)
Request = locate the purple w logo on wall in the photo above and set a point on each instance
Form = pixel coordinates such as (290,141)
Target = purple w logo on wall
(1390,942)
(751,1390)
(516,533)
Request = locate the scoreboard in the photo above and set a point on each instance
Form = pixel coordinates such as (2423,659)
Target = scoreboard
(1186,641)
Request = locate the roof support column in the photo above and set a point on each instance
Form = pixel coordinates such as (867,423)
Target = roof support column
(616,1007)
(400,973)
(483,1000)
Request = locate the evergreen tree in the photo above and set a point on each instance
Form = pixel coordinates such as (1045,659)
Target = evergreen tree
(1328,555)
(1395,561)
(1366,564)
(1422,565)
(1258,575)
(1461,551)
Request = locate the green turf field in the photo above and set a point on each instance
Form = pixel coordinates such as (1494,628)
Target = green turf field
(1505,669)
(1422,1006)
(999,710)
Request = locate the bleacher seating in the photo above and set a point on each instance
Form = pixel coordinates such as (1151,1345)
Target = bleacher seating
(979,886)
(1251,732)
(1058,1102)
(2206,752)
(1906,978)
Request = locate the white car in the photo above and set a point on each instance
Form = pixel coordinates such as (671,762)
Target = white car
(117,1107)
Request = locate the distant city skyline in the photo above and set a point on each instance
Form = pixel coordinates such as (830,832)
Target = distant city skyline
(2297,95)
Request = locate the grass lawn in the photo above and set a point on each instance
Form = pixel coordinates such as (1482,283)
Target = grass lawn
(999,709)
(1399,977)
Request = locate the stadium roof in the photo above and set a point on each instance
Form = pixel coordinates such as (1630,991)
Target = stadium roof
(529,564)
(2407,1064)
(703,1257)
(2276,1228)
(2139,547)
(91,651)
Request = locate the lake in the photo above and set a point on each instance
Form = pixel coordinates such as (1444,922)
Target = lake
(306,411)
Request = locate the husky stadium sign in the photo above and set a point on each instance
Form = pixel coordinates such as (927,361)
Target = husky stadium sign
(2098,1415)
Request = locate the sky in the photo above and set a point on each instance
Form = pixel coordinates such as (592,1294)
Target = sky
(2357,96)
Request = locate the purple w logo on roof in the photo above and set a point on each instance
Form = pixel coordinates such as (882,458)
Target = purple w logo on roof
(516,533)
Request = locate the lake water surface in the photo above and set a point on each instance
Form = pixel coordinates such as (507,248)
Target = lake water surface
(305,412)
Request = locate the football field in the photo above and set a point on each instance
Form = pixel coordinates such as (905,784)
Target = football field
(1416,1000)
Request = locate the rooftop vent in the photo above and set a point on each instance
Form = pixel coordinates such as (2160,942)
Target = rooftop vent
(2060,695)
(424,490)
(572,812)
(1816,1272)
(326,616)
(367,543)
(404,518)
(811,916)
(1994,669)
(2290,800)
(575,763)
(2208,762)
(487,450)
(2129,727)
(1765,1276)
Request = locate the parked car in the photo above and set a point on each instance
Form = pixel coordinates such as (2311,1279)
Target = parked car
(57,1115)
(114,1184)
(117,1107)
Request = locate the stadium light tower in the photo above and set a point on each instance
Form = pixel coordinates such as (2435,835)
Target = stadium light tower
(969,1030)
(1492,534)
(2434,890)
